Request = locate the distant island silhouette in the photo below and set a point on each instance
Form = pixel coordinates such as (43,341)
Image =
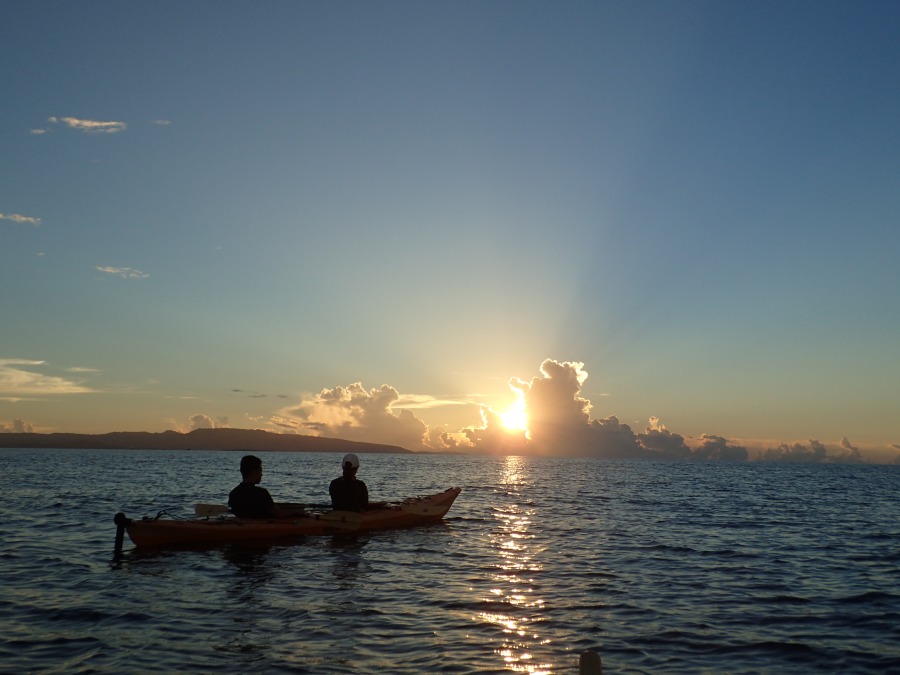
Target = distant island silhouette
(199,439)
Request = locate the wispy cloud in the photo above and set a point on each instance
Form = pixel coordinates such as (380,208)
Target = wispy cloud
(424,401)
(124,272)
(162,123)
(38,132)
(89,126)
(18,379)
(19,218)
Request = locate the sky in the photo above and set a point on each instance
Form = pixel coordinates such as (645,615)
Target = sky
(615,224)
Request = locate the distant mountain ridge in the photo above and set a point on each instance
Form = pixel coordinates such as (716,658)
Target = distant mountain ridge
(199,439)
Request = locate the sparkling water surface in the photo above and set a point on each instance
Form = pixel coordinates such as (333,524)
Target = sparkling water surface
(660,567)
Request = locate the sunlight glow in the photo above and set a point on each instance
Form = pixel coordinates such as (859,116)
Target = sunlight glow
(515,418)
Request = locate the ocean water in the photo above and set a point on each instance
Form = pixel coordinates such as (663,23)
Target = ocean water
(660,567)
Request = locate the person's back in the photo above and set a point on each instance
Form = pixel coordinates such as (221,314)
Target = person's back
(347,492)
(248,500)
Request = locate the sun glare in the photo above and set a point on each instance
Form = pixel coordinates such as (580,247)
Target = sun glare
(515,418)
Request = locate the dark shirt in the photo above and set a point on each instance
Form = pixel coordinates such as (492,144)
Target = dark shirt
(348,494)
(251,501)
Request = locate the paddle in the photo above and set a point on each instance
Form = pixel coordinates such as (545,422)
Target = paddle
(209,510)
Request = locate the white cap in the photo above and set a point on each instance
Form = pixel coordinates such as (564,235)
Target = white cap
(350,459)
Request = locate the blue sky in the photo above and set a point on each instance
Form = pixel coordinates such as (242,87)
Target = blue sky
(213,212)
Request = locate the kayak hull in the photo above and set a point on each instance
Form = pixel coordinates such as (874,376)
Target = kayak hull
(149,532)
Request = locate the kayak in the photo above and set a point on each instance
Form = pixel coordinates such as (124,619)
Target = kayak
(225,529)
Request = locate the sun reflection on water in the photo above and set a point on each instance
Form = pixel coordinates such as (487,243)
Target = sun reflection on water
(516,609)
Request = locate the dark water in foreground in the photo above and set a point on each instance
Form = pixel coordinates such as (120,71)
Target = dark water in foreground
(661,567)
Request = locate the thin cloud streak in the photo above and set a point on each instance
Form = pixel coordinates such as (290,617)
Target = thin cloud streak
(124,272)
(19,218)
(90,126)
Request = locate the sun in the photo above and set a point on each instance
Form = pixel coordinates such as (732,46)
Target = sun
(515,418)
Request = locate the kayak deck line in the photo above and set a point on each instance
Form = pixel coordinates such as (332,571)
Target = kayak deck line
(221,529)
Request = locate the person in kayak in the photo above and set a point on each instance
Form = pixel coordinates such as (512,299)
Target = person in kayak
(248,500)
(348,493)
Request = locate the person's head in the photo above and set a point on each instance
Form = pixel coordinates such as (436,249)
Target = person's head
(350,464)
(251,468)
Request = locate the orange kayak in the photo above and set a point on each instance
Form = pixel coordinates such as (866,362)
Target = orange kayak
(160,531)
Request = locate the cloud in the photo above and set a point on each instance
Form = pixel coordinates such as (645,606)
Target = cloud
(355,413)
(162,123)
(815,453)
(423,402)
(495,438)
(717,448)
(796,452)
(659,442)
(16,380)
(90,126)
(18,218)
(124,272)
(17,426)
(257,394)
(553,405)
(38,132)
(848,454)
(201,421)
(559,423)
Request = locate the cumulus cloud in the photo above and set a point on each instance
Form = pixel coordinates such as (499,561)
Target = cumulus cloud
(18,379)
(554,408)
(661,443)
(17,426)
(201,421)
(558,416)
(796,452)
(848,454)
(440,439)
(124,272)
(19,218)
(355,413)
(89,126)
(717,448)
(560,423)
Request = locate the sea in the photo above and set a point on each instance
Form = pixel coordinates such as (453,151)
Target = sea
(659,567)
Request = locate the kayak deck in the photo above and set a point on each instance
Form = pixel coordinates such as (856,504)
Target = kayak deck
(228,529)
